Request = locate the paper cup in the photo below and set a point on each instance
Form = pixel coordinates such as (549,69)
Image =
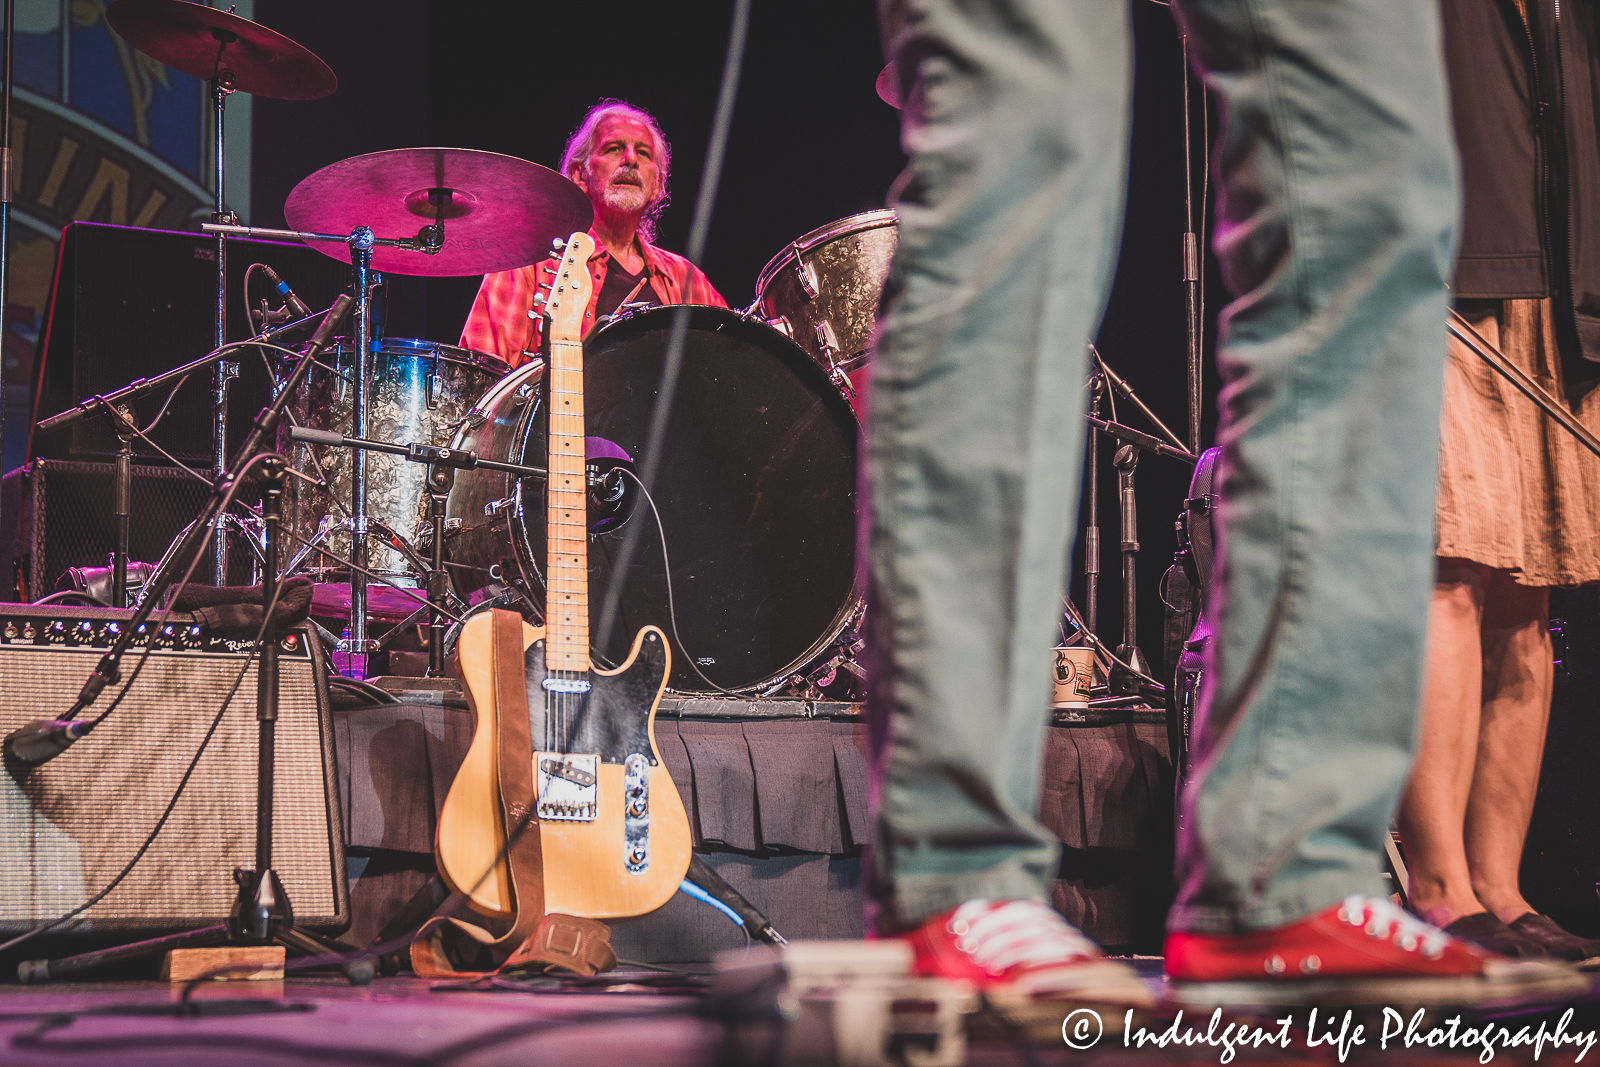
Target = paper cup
(1074,675)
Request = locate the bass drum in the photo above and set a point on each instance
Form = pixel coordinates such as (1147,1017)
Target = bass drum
(755,486)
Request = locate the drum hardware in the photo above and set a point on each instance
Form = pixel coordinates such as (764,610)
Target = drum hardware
(1130,672)
(502,213)
(442,463)
(231,54)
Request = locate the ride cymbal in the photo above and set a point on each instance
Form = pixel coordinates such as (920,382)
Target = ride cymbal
(204,43)
(498,212)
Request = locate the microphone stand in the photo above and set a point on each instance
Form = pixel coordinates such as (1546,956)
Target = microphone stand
(114,406)
(261,911)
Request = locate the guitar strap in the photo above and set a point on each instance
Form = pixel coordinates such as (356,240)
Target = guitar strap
(535,938)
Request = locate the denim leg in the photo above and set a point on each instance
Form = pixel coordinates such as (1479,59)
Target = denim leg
(1010,214)
(1335,228)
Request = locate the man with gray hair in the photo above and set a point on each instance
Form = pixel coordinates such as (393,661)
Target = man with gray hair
(619,157)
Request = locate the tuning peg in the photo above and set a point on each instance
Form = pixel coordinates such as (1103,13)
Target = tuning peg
(559,244)
(538,300)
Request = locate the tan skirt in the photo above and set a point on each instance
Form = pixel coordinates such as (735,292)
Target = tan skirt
(1516,491)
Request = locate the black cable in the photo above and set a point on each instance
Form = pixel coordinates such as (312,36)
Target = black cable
(672,611)
(71,594)
(710,178)
(183,783)
(165,404)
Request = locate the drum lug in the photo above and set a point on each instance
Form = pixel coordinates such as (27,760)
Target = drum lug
(495,507)
(520,397)
(828,341)
(433,388)
(807,276)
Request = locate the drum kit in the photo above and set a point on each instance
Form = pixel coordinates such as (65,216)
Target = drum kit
(754,491)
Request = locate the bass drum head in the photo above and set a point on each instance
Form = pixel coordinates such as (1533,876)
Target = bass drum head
(756,490)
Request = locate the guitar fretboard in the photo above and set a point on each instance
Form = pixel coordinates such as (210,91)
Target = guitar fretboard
(566,501)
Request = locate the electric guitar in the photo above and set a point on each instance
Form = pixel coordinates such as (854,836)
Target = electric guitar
(612,827)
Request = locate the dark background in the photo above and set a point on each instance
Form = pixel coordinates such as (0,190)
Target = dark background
(810,143)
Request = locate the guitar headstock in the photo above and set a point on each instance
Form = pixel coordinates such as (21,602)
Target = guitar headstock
(569,289)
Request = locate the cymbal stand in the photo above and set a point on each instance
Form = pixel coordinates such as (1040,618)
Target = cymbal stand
(222,84)
(361,241)
(1091,535)
(357,644)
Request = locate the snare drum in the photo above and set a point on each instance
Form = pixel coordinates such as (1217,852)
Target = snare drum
(756,491)
(823,289)
(420,392)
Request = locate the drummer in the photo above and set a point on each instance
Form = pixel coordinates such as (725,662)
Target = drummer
(619,157)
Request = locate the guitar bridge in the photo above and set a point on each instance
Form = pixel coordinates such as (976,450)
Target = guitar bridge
(569,788)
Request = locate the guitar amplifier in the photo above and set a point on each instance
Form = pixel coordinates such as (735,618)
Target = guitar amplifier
(69,825)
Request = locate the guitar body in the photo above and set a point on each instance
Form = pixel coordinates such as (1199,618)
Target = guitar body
(586,863)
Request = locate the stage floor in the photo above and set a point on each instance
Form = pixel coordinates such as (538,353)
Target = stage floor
(408,1021)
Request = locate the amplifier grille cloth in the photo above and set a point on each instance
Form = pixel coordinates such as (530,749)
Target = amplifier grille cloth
(67,827)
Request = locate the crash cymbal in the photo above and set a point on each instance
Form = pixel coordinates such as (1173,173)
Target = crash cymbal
(188,37)
(501,212)
(888,85)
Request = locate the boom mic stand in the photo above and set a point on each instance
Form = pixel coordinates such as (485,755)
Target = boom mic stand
(261,911)
(1125,678)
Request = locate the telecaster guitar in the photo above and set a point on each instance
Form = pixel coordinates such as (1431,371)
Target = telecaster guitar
(613,829)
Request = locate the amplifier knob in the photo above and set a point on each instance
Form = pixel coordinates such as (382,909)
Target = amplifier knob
(10,631)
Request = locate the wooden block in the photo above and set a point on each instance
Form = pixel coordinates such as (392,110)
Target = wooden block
(231,963)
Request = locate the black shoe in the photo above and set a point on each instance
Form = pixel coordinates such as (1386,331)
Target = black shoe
(1582,952)
(1486,931)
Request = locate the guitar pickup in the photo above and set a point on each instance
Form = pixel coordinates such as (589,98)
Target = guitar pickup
(570,771)
(568,787)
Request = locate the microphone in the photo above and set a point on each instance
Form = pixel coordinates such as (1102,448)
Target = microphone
(296,305)
(44,739)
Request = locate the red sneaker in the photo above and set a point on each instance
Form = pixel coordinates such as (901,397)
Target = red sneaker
(1364,951)
(1024,948)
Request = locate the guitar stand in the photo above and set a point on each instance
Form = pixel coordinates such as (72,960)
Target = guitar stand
(262,913)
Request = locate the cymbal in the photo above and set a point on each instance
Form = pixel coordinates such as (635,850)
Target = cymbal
(888,85)
(501,212)
(188,37)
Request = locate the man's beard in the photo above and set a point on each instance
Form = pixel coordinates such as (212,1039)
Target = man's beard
(628,198)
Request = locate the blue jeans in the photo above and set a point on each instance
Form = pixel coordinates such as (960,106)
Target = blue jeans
(1336,220)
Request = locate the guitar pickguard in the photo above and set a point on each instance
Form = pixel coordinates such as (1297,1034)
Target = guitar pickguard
(611,720)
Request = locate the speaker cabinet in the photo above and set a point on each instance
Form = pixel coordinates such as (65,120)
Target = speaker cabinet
(60,516)
(68,826)
(129,303)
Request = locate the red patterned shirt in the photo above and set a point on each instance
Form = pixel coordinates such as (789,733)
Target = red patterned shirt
(500,325)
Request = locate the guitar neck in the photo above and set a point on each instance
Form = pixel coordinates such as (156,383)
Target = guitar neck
(566,501)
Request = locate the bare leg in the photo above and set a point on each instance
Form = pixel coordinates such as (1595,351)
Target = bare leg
(1434,807)
(1517,680)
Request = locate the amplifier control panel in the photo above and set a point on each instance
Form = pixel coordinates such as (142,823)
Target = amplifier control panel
(66,627)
